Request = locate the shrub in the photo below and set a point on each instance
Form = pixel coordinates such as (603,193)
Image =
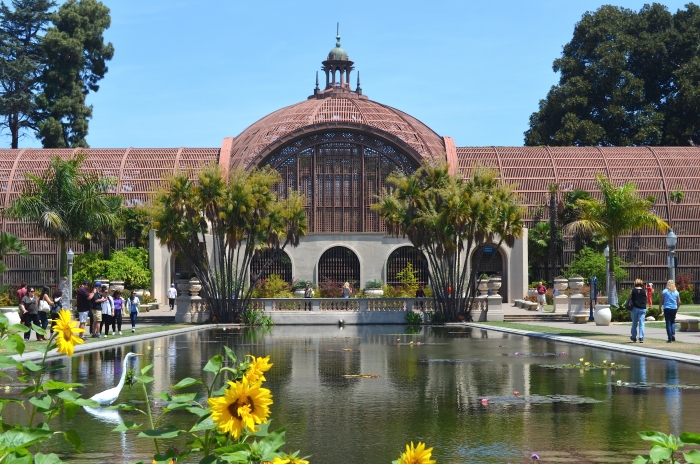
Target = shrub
(129,265)
(620,313)
(374,284)
(301,284)
(589,263)
(686,296)
(329,288)
(272,287)
(413,318)
(408,280)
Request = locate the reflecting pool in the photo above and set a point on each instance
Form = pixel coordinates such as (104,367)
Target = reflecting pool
(359,394)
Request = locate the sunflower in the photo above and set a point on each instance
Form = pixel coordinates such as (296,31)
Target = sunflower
(290,459)
(242,406)
(256,368)
(417,455)
(66,331)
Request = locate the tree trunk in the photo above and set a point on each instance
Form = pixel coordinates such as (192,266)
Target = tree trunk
(552,261)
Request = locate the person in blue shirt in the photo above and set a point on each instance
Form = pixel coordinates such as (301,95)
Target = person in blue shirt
(670,302)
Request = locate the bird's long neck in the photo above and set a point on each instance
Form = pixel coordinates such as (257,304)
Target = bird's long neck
(121,381)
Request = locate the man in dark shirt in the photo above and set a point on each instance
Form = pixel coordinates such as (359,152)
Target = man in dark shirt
(83,297)
(30,313)
(96,309)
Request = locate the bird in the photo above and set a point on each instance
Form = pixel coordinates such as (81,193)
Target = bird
(108,397)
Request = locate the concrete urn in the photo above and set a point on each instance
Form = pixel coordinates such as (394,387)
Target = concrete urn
(195,286)
(183,287)
(483,287)
(494,284)
(300,293)
(602,314)
(374,292)
(561,284)
(116,285)
(531,292)
(576,284)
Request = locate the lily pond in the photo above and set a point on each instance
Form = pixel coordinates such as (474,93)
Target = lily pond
(358,394)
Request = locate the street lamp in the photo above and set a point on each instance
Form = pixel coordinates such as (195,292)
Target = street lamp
(606,252)
(70,256)
(671,241)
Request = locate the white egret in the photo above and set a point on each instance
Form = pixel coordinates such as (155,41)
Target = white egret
(108,397)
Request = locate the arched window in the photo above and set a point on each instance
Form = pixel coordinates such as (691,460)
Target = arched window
(491,264)
(282,266)
(400,258)
(339,264)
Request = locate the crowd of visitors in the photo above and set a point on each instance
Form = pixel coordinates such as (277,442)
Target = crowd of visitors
(641,297)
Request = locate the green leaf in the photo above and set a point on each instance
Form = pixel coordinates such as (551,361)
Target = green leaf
(19,438)
(186,382)
(31,365)
(73,438)
(165,396)
(43,403)
(659,453)
(71,409)
(638,460)
(690,438)
(185,398)
(7,361)
(143,379)
(18,458)
(47,459)
(232,448)
(145,370)
(38,330)
(208,460)
(206,424)
(214,364)
(273,441)
(692,457)
(56,385)
(167,431)
(67,395)
(230,354)
(18,328)
(201,412)
(127,425)
(87,402)
(14,342)
(656,437)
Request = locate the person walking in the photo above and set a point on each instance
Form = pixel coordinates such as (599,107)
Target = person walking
(45,304)
(650,292)
(346,290)
(30,313)
(132,304)
(541,296)
(96,310)
(119,304)
(670,302)
(308,291)
(83,297)
(107,310)
(639,310)
(172,294)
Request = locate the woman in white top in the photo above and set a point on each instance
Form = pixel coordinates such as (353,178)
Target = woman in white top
(45,304)
(132,304)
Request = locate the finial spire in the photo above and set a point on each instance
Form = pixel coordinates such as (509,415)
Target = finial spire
(337,37)
(316,89)
(359,89)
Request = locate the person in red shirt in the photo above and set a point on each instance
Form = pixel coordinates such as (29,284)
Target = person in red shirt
(650,291)
(541,298)
(21,291)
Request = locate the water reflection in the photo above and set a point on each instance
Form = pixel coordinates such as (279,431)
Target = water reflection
(429,387)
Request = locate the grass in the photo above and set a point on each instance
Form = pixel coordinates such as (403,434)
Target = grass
(149,329)
(659,344)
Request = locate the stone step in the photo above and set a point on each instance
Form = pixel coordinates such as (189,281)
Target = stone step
(542,317)
(153,319)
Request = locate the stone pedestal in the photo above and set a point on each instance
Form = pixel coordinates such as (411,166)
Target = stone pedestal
(495,308)
(578,306)
(64,286)
(561,304)
(189,310)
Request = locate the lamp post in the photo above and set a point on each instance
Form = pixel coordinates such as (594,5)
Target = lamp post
(671,241)
(606,252)
(70,256)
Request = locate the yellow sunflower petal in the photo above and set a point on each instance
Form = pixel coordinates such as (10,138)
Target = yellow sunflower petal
(66,331)
(417,455)
(256,368)
(242,407)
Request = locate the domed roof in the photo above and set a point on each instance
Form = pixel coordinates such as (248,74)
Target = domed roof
(338,112)
(338,54)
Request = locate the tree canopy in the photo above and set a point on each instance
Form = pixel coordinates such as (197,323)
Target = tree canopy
(626,78)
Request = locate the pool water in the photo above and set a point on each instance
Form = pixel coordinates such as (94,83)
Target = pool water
(451,387)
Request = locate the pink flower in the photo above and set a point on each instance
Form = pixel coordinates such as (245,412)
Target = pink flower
(534,456)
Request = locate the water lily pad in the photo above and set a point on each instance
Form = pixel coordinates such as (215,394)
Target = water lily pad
(452,361)
(535,399)
(584,366)
(648,385)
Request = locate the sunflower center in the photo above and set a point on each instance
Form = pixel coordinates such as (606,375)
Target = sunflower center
(234,407)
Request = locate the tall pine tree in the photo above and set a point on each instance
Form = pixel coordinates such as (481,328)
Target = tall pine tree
(76,61)
(22,62)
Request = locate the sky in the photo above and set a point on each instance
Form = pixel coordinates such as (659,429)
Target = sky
(189,73)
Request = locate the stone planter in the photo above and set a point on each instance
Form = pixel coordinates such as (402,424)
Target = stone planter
(494,285)
(300,293)
(183,287)
(374,292)
(532,292)
(12,315)
(102,280)
(576,284)
(561,284)
(116,285)
(483,287)
(602,314)
(195,286)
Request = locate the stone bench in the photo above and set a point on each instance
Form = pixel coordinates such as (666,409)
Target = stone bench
(518,303)
(689,325)
(530,306)
(581,319)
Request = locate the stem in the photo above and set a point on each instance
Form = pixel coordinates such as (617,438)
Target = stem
(41,378)
(150,416)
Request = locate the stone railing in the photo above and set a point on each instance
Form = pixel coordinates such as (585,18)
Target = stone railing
(342,304)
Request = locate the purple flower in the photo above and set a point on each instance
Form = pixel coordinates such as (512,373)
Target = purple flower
(517,354)
(535,456)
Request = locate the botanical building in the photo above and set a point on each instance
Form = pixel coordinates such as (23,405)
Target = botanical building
(338,147)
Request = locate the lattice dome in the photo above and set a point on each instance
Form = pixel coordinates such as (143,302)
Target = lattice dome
(338,112)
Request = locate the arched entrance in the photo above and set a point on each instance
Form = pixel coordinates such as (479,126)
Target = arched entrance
(282,266)
(339,264)
(400,258)
(492,263)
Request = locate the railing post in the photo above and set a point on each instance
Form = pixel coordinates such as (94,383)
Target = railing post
(363,304)
(494,308)
(315,304)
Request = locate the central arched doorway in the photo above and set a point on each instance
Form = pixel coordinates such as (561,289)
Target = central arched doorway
(400,258)
(282,265)
(339,264)
(491,263)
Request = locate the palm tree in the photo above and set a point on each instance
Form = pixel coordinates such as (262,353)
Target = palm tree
(66,203)
(8,244)
(621,211)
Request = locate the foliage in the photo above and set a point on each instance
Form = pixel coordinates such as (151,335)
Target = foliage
(66,202)
(236,216)
(256,318)
(413,318)
(76,57)
(301,284)
(686,296)
(21,63)
(43,400)
(676,196)
(136,224)
(620,211)
(626,78)
(272,287)
(129,265)
(664,447)
(684,282)
(445,217)
(329,288)
(5,299)
(536,283)
(621,314)
(374,284)
(10,244)
(408,279)
(588,263)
